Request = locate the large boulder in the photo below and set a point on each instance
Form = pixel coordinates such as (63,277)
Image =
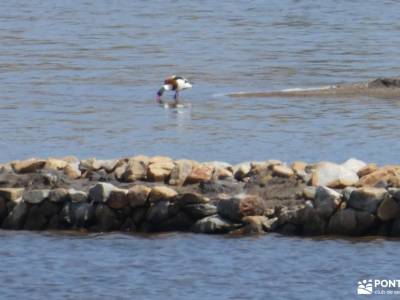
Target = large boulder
(388,210)
(326,201)
(200,173)
(354,165)
(101,191)
(118,199)
(333,175)
(136,169)
(313,223)
(242,205)
(159,171)
(105,218)
(213,224)
(11,194)
(162,193)
(16,218)
(386,176)
(138,195)
(258,224)
(200,210)
(343,222)
(192,198)
(161,211)
(35,196)
(28,166)
(72,171)
(242,170)
(55,164)
(366,199)
(181,170)
(282,171)
(58,195)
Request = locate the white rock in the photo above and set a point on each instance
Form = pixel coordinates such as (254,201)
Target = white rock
(354,165)
(333,175)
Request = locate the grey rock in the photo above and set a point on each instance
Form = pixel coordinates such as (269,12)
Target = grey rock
(36,220)
(161,211)
(16,218)
(343,222)
(326,201)
(105,218)
(213,224)
(313,223)
(201,210)
(366,199)
(389,209)
(58,195)
(100,192)
(35,196)
(77,196)
(240,206)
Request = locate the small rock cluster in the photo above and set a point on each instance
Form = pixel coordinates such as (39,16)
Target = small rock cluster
(153,194)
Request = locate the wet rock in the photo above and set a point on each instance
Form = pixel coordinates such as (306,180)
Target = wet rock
(72,171)
(101,191)
(28,166)
(128,225)
(395,229)
(343,222)
(258,224)
(11,194)
(138,195)
(82,214)
(180,172)
(200,210)
(105,218)
(346,192)
(139,214)
(282,171)
(354,165)
(389,209)
(159,171)
(365,221)
(366,199)
(118,199)
(200,173)
(77,196)
(289,229)
(161,211)
(192,198)
(35,196)
(55,164)
(3,209)
(386,176)
(35,219)
(242,170)
(162,193)
(58,195)
(179,222)
(333,175)
(326,201)
(16,218)
(240,206)
(368,169)
(213,224)
(313,223)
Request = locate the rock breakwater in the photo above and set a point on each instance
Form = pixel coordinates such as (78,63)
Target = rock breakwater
(153,194)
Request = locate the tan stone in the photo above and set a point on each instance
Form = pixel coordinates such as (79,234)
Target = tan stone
(138,195)
(28,166)
(332,175)
(242,170)
(70,159)
(159,193)
(222,173)
(118,198)
(120,171)
(160,159)
(368,169)
(55,164)
(11,194)
(200,173)
(299,166)
(136,169)
(72,171)
(309,192)
(389,175)
(180,172)
(160,171)
(282,171)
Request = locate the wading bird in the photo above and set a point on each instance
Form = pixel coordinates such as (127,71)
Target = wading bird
(173,83)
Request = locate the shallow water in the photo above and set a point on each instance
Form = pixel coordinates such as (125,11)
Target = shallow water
(80,78)
(188,266)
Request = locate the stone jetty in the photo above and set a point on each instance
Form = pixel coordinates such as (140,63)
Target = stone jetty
(156,194)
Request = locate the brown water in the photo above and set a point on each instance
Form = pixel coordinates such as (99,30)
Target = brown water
(79,77)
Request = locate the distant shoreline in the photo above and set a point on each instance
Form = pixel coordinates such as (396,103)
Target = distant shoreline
(159,194)
(380,87)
